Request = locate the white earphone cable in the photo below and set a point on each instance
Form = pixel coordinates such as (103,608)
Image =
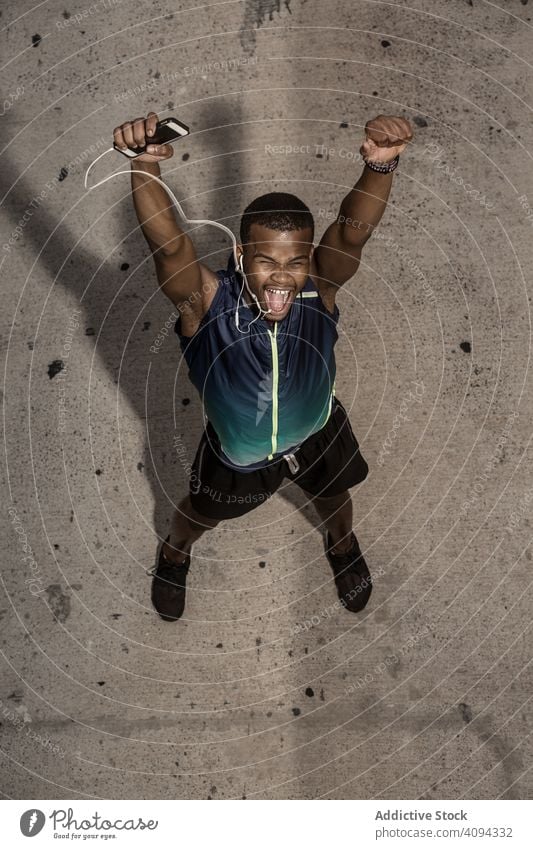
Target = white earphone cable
(238,260)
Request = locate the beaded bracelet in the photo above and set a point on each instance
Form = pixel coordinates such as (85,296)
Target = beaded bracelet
(383,167)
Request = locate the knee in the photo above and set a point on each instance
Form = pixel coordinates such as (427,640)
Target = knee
(196,520)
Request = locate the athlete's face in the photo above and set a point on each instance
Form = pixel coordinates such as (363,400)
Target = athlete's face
(276,265)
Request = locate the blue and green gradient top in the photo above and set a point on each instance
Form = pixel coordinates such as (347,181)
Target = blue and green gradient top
(268,389)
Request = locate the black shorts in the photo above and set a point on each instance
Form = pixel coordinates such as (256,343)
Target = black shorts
(330,462)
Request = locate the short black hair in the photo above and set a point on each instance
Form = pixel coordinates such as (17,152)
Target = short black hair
(277,211)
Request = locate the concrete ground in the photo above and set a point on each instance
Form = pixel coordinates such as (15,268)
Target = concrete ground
(267,689)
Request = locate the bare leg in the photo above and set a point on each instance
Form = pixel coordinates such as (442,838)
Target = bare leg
(336,514)
(187,526)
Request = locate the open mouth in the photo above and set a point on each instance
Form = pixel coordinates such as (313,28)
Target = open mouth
(277,298)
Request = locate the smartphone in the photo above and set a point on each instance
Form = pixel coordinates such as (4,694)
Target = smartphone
(167,130)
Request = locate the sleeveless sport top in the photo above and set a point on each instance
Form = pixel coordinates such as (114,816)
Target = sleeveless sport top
(268,389)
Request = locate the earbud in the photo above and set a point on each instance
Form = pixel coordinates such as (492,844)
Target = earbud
(252,295)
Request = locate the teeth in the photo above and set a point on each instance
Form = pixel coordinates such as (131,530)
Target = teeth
(285,292)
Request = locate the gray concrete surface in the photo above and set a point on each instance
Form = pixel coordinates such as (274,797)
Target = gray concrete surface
(266,690)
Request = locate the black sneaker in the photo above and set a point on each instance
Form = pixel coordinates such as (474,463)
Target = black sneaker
(352,577)
(168,586)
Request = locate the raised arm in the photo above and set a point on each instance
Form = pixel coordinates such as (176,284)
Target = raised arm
(337,257)
(179,273)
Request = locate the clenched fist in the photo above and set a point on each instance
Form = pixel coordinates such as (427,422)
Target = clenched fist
(386,137)
(137,133)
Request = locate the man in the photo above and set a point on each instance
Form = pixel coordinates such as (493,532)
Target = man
(259,340)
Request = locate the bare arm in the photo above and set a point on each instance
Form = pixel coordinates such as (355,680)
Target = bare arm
(337,257)
(177,266)
(179,273)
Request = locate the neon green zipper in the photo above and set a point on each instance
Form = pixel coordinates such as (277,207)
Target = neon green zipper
(275,383)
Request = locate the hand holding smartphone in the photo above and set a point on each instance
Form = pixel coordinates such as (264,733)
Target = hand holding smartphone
(139,139)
